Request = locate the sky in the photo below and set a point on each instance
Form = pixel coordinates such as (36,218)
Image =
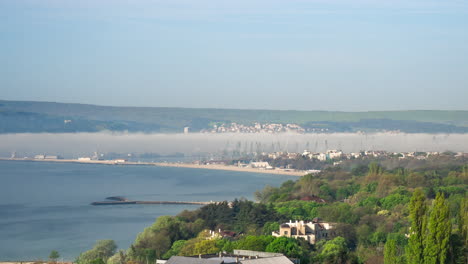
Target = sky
(345,55)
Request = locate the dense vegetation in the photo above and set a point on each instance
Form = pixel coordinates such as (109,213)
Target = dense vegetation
(382,216)
(390,161)
(19,116)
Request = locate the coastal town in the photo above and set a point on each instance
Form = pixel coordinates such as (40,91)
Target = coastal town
(278,128)
(233,132)
(256,162)
(255,128)
(285,163)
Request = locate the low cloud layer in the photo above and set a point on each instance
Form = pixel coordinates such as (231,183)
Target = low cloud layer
(84,144)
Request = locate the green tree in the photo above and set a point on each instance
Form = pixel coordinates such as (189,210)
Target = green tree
(265,194)
(338,212)
(393,200)
(287,246)
(228,246)
(348,232)
(374,173)
(206,247)
(97,261)
(457,251)
(438,232)
(103,249)
(418,209)
(54,256)
(334,251)
(270,227)
(216,213)
(160,243)
(117,258)
(390,252)
(463,219)
(256,243)
(377,238)
(175,249)
(156,240)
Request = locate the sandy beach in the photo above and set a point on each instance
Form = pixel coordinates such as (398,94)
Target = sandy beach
(167,164)
(232,168)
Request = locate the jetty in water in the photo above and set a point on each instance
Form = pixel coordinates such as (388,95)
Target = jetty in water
(119,200)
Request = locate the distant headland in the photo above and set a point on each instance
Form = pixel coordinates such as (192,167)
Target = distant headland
(51,117)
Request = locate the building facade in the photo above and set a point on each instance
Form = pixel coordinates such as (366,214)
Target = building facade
(311,231)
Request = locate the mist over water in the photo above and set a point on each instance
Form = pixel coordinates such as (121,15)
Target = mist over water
(83,144)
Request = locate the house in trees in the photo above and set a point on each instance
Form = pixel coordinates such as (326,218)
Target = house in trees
(222,234)
(310,231)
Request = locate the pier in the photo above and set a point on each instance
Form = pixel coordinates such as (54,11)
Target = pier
(119,200)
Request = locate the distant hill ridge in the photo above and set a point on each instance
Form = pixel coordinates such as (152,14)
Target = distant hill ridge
(31,116)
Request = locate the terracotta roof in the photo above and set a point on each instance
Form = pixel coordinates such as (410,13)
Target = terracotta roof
(228,233)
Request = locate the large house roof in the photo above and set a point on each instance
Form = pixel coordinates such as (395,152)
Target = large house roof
(273,260)
(189,260)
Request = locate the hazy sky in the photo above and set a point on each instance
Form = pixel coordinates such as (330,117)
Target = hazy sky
(317,54)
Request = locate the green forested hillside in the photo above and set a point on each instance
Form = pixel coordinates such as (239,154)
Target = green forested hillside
(380,215)
(163,119)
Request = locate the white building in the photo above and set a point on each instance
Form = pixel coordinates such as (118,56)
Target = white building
(334,154)
(310,231)
(321,156)
(260,165)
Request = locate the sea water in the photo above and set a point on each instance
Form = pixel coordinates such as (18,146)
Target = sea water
(45,206)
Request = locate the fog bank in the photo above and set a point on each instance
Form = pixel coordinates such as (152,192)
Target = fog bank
(83,144)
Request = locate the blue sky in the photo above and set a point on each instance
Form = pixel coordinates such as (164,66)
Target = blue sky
(348,55)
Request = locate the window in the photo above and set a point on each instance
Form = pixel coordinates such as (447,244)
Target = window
(285,232)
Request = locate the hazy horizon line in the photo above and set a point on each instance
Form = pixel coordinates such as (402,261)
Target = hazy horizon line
(228,108)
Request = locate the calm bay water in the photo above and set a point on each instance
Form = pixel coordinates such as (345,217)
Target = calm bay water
(45,206)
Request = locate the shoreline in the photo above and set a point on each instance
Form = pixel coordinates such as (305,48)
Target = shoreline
(167,164)
(231,168)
